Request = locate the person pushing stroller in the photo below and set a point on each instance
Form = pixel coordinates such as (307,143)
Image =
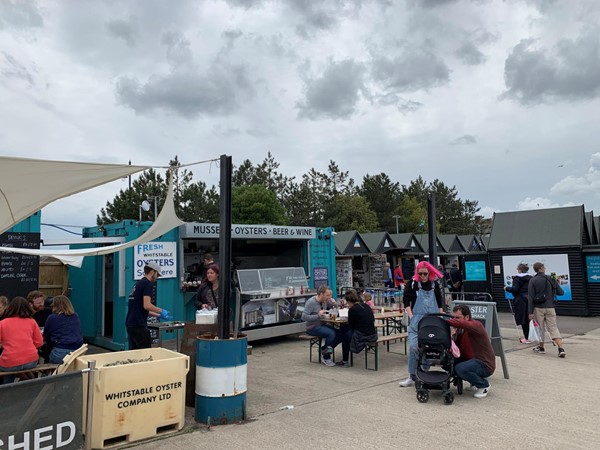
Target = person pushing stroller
(423,295)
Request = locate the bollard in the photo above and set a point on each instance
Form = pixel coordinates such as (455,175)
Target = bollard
(221,380)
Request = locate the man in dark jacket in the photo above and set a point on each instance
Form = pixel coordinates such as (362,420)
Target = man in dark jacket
(541,297)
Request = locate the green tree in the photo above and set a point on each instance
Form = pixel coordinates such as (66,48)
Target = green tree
(256,204)
(452,214)
(127,202)
(384,197)
(412,215)
(352,212)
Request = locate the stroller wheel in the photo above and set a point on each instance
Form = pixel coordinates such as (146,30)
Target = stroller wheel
(423,395)
(448,398)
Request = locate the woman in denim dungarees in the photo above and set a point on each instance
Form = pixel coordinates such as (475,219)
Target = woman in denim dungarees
(422,296)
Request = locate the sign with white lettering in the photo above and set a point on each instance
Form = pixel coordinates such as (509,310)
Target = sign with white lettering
(45,413)
(211,230)
(162,253)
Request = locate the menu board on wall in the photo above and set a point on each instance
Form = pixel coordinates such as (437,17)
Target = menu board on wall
(19,274)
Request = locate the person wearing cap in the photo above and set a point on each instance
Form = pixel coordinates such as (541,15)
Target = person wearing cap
(140,305)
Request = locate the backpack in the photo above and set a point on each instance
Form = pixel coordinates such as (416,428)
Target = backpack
(541,298)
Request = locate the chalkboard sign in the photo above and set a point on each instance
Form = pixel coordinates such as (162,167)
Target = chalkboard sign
(19,274)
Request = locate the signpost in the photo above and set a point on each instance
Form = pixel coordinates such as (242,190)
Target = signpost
(487,314)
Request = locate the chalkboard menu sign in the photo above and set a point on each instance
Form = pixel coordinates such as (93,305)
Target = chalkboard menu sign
(19,274)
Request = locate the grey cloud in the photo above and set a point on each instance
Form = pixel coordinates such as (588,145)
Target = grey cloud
(405,106)
(335,94)
(246,4)
(20,14)
(230,36)
(541,5)
(123,29)
(14,69)
(413,70)
(179,52)
(220,131)
(409,106)
(187,93)
(434,3)
(570,72)
(469,54)
(467,139)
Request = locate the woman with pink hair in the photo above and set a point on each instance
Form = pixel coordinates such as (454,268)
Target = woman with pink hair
(422,296)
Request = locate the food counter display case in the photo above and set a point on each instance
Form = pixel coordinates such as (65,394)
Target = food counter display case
(272,301)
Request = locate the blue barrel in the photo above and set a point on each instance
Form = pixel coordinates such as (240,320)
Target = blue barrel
(221,380)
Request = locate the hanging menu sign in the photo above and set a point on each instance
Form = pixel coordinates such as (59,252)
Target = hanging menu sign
(19,274)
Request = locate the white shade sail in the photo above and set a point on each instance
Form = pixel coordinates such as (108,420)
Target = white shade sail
(85,176)
(22,192)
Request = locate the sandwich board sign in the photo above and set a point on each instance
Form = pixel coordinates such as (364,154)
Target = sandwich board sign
(487,314)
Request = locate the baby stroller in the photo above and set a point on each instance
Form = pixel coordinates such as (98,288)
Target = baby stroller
(434,353)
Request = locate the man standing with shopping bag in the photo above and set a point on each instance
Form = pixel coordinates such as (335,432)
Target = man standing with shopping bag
(541,306)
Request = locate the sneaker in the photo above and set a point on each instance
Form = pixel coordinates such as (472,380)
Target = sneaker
(345,364)
(328,362)
(539,349)
(328,350)
(561,352)
(524,341)
(407,383)
(473,388)
(482,392)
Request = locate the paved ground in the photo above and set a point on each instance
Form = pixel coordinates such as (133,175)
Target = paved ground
(548,403)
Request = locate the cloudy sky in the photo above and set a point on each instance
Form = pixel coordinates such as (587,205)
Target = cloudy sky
(499,98)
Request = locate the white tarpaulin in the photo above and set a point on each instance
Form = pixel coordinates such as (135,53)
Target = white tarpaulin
(27,185)
(165,222)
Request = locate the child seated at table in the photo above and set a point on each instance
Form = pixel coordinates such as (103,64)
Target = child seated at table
(368,299)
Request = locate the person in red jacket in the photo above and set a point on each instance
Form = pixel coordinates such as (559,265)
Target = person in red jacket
(477,359)
(20,337)
(398,277)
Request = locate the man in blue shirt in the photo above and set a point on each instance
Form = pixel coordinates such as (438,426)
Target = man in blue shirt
(140,305)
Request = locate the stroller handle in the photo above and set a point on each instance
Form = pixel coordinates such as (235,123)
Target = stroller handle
(450,316)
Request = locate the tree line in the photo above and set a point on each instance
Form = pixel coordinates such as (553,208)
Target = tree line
(262,194)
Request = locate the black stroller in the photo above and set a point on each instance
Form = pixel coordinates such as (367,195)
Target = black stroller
(434,351)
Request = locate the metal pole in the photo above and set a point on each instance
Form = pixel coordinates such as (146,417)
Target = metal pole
(432,230)
(225,247)
(396,217)
(155,207)
(87,444)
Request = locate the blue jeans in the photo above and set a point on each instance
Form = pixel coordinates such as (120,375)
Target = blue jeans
(473,371)
(332,337)
(57,355)
(11,378)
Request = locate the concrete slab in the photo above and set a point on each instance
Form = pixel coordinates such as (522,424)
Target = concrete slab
(548,402)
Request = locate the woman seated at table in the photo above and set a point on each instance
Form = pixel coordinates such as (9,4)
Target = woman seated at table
(62,331)
(20,337)
(208,292)
(361,323)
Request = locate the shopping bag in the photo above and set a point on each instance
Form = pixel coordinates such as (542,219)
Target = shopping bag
(535,334)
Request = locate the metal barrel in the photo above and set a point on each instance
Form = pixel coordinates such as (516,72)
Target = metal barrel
(221,380)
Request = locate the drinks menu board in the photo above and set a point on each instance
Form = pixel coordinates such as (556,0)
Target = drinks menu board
(19,274)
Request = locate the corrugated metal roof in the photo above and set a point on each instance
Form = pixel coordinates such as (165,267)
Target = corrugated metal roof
(350,242)
(451,243)
(470,242)
(379,242)
(407,241)
(424,241)
(554,227)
